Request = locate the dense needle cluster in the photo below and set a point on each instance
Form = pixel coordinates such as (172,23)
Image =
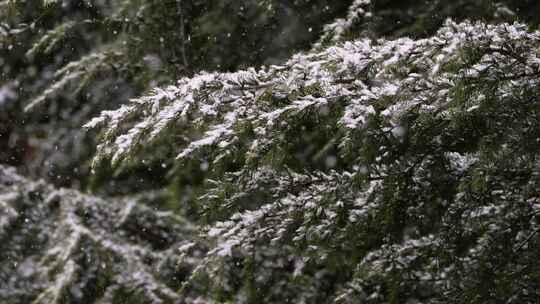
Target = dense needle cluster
(363,170)
(421,176)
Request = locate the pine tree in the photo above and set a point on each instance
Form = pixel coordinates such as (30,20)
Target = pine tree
(371,171)
(369,168)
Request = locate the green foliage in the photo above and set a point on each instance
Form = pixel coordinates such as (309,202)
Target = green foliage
(76,58)
(399,185)
(371,168)
(60,246)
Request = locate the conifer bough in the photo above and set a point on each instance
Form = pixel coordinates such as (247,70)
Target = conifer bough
(400,171)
